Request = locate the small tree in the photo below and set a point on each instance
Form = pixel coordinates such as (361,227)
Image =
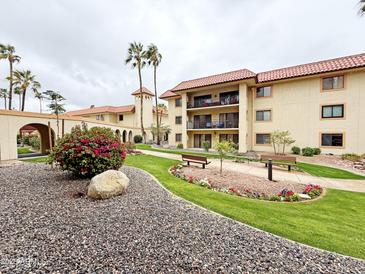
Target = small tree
(281,138)
(55,106)
(4,95)
(223,148)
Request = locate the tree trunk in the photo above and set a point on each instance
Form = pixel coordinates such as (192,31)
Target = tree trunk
(10,84)
(40,105)
(20,101)
(157,121)
(57,121)
(273,144)
(23,101)
(5,105)
(141,95)
(284,149)
(221,169)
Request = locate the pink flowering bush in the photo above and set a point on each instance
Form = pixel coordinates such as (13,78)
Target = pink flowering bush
(87,153)
(312,190)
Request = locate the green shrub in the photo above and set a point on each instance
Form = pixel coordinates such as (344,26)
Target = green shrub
(275,198)
(308,151)
(137,139)
(206,145)
(317,151)
(35,142)
(295,198)
(314,193)
(180,146)
(295,150)
(351,157)
(87,153)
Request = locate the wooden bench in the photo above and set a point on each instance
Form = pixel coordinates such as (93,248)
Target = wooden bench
(195,159)
(280,160)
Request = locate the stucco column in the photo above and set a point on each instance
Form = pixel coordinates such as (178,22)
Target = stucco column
(243,107)
(184,134)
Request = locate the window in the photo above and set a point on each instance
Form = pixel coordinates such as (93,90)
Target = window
(263,115)
(178,120)
(263,139)
(335,82)
(228,120)
(178,137)
(229,137)
(100,117)
(121,117)
(333,111)
(202,101)
(332,140)
(227,98)
(263,91)
(203,121)
(178,102)
(200,138)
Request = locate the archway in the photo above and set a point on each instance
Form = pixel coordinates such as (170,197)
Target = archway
(117,132)
(124,136)
(130,136)
(34,138)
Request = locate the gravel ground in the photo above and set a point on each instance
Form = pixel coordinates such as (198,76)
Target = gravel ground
(241,181)
(46,227)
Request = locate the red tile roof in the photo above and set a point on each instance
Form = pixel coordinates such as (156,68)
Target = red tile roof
(342,63)
(168,94)
(215,79)
(144,90)
(103,109)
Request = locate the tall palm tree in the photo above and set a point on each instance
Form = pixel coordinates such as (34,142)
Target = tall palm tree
(4,94)
(137,58)
(40,97)
(19,92)
(161,108)
(55,106)
(362,7)
(24,79)
(8,52)
(154,58)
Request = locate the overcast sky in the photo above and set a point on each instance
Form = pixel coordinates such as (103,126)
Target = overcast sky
(79,47)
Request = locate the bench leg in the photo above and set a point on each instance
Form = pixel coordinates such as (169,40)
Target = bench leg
(289,168)
(265,164)
(203,166)
(188,163)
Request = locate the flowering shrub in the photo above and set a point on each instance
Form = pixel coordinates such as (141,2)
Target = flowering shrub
(87,153)
(312,190)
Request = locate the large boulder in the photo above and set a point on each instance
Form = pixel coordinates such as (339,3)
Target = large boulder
(108,184)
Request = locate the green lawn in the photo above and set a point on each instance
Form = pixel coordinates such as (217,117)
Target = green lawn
(24,150)
(336,222)
(36,160)
(328,172)
(315,170)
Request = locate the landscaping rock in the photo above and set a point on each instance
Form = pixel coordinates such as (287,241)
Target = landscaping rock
(108,184)
(304,196)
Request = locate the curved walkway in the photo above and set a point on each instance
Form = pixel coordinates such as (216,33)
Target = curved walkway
(278,174)
(46,228)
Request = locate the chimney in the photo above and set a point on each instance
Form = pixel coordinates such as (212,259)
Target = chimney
(92,106)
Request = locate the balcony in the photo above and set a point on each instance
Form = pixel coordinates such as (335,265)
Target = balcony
(228,124)
(223,101)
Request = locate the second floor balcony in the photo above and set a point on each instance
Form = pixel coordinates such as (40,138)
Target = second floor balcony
(212,124)
(229,98)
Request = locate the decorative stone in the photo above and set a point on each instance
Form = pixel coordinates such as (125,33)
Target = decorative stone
(108,184)
(304,196)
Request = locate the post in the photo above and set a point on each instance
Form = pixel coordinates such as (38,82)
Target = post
(63,127)
(50,136)
(269,170)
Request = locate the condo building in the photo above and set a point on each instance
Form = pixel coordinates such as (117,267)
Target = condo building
(321,104)
(128,116)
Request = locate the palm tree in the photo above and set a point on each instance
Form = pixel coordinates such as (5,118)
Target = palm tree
(162,108)
(40,97)
(19,92)
(136,57)
(4,94)
(362,7)
(154,59)
(55,106)
(24,79)
(8,52)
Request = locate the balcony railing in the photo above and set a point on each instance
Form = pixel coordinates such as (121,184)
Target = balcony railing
(212,125)
(228,100)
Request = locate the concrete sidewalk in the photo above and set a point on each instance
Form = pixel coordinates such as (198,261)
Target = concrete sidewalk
(258,169)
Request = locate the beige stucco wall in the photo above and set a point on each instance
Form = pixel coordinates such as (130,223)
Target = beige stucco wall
(12,121)
(175,129)
(296,106)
